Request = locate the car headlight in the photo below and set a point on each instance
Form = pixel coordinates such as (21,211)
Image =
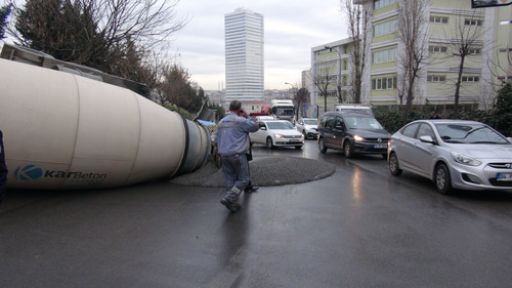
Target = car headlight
(462,159)
(279,136)
(358,138)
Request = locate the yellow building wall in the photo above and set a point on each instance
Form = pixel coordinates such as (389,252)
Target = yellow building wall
(460,4)
(386,9)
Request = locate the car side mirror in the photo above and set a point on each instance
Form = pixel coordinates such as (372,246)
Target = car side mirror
(263,128)
(427,139)
(509,139)
(339,127)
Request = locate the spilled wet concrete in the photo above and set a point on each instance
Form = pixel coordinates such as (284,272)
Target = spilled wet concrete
(265,171)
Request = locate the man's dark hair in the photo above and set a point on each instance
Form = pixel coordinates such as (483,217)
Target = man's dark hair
(235,105)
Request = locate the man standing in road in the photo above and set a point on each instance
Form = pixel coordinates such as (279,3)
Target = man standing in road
(233,146)
(3,169)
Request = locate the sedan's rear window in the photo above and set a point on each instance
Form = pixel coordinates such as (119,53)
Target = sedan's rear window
(469,134)
(279,125)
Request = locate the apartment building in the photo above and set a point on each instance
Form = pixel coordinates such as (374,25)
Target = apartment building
(486,66)
(330,68)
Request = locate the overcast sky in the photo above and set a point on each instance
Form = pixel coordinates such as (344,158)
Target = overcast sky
(291,29)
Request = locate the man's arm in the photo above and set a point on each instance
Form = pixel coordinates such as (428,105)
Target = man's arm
(250,126)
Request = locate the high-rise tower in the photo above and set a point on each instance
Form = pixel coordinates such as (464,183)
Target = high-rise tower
(244,58)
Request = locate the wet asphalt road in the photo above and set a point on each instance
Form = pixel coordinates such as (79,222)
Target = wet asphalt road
(358,228)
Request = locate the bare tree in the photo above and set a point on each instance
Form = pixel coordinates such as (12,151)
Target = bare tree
(96,33)
(322,82)
(357,21)
(301,97)
(5,12)
(413,34)
(467,42)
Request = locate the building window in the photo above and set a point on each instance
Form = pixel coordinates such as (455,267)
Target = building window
(439,19)
(470,79)
(383,3)
(384,56)
(474,51)
(384,28)
(437,49)
(473,22)
(436,78)
(505,50)
(384,83)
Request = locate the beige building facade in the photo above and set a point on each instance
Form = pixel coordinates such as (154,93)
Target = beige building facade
(485,68)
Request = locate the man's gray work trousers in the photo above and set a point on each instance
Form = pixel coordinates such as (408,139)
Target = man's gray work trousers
(236,175)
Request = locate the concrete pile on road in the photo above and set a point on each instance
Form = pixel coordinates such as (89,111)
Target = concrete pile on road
(267,171)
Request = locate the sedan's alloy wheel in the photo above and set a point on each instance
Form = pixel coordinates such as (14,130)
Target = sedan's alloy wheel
(394,167)
(442,179)
(270,144)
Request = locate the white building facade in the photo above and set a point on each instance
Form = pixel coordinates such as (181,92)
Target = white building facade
(244,52)
(331,62)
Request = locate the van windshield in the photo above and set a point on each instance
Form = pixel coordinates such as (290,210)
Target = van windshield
(366,123)
(283,111)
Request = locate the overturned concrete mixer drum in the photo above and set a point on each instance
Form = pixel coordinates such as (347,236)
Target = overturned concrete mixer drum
(66,131)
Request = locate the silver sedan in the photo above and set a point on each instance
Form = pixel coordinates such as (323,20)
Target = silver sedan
(455,154)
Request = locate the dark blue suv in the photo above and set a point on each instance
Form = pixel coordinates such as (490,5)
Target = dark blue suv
(352,133)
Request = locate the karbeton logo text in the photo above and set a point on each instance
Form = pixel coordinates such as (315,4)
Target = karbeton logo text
(32,172)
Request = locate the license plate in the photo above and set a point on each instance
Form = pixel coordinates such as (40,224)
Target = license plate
(380,146)
(504,177)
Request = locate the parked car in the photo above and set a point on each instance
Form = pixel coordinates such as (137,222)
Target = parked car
(454,154)
(277,133)
(264,118)
(308,127)
(353,133)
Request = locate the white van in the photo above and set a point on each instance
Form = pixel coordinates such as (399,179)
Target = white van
(358,109)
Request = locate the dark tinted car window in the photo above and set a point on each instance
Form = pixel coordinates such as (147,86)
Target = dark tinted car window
(338,122)
(410,130)
(426,130)
(323,121)
(330,122)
